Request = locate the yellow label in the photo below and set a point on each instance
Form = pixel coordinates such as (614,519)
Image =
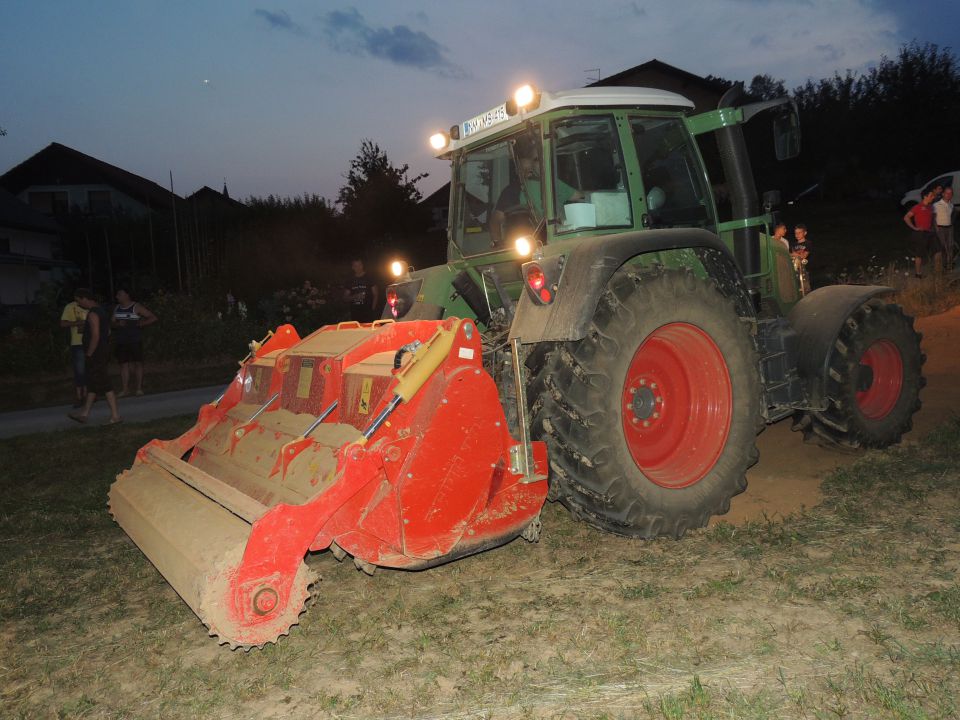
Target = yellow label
(306,378)
(364,407)
(257,378)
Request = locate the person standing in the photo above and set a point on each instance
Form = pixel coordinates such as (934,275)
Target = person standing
(362,293)
(943,212)
(800,253)
(923,242)
(96,347)
(129,317)
(780,235)
(74,317)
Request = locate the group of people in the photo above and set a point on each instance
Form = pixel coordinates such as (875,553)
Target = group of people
(93,328)
(799,251)
(931,222)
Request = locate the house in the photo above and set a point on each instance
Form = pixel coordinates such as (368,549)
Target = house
(30,251)
(59,180)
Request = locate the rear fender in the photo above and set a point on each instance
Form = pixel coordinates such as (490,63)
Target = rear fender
(590,265)
(818,319)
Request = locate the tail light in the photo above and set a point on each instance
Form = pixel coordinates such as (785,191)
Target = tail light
(542,278)
(535,278)
(393,300)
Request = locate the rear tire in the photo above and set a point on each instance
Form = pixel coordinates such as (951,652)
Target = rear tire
(651,419)
(874,381)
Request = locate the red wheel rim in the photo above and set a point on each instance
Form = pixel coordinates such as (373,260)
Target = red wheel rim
(879,397)
(676,405)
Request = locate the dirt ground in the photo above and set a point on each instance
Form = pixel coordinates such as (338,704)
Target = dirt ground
(787,478)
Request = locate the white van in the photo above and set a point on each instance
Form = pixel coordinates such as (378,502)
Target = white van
(951,179)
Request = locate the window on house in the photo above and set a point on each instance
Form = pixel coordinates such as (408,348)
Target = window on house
(50,202)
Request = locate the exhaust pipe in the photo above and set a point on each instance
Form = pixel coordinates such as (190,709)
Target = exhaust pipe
(740,182)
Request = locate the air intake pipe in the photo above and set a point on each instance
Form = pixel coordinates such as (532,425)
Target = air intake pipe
(743,192)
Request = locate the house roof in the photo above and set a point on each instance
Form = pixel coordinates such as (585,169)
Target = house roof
(209,195)
(15,214)
(658,66)
(58,164)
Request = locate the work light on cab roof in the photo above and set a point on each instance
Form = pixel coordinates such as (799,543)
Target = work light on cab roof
(525,98)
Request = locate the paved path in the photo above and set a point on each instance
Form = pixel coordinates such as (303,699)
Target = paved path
(132,409)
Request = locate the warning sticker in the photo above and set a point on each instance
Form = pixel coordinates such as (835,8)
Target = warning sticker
(364,406)
(466,353)
(305,380)
(257,378)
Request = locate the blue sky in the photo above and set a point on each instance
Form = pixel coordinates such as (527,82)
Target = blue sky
(276,97)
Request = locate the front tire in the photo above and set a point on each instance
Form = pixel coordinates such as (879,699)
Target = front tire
(874,381)
(651,419)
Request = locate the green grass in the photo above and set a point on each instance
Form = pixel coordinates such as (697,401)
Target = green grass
(851,609)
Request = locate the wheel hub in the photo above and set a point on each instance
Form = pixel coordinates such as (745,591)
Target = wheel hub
(644,403)
(676,406)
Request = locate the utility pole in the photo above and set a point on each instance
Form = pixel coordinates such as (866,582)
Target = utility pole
(176,233)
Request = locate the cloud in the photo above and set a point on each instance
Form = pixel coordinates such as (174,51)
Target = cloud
(349,32)
(279,20)
(829,53)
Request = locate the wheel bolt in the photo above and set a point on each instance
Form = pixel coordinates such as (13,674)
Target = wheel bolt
(643,381)
(653,386)
(646,423)
(659,399)
(656,415)
(633,391)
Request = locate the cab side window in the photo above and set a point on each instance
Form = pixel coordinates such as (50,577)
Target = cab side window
(589,182)
(675,193)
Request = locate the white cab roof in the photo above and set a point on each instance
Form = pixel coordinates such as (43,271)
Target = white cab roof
(581,97)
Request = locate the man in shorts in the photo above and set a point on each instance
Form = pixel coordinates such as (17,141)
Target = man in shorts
(129,319)
(923,242)
(96,346)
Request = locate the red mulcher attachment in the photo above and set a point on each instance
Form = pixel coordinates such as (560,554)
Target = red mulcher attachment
(386,441)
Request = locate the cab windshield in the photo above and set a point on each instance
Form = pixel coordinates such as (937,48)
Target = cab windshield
(499,194)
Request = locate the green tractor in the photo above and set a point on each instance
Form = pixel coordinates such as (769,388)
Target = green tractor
(646,341)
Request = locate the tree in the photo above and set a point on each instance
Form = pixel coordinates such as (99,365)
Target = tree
(873,131)
(764,87)
(380,201)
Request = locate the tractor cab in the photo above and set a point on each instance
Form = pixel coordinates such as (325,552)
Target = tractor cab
(571,165)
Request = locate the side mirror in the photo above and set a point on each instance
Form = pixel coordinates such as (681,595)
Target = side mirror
(786,134)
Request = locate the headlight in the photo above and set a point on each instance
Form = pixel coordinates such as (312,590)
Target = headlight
(400,269)
(522,246)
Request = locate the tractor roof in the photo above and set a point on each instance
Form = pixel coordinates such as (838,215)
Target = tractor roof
(496,120)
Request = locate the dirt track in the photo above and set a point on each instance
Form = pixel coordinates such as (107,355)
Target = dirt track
(787,478)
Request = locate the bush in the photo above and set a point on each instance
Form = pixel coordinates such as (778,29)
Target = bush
(197,327)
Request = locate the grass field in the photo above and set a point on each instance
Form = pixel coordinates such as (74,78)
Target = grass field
(851,609)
